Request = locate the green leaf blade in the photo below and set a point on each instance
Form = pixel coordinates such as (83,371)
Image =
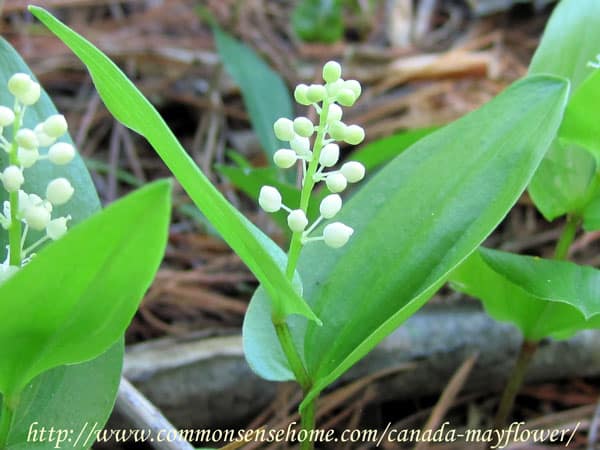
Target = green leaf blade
(77,296)
(131,108)
(419,218)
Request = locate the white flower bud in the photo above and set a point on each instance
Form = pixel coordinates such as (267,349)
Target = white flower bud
(336,234)
(330,206)
(297,220)
(284,129)
(55,125)
(353,171)
(285,158)
(27,158)
(315,93)
(301,146)
(303,126)
(43,139)
(26,138)
(337,130)
(19,84)
(346,97)
(335,113)
(354,86)
(336,182)
(329,155)
(7,116)
(332,71)
(269,199)
(61,153)
(12,178)
(32,95)
(300,94)
(37,217)
(334,88)
(57,228)
(59,191)
(354,134)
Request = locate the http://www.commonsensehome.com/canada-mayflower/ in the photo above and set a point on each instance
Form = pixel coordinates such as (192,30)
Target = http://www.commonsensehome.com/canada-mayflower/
(328,100)
(25,212)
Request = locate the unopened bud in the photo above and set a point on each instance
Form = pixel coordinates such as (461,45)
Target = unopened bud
(284,129)
(59,191)
(336,234)
(32,95)
(300,94)
(269,199)
(336,182)
(335,113)
(354,86)
(61,153)
(26,138)
(329,155)
(12,178)
(55,125)
(332,71)
(37,217)
(285,158)
(354,134)
(19,84)
(7,116)
(330,206)
(315,93)
(346,97)
(44,140)
(337,130)
(57,228)
(303,126)
(353,171)
(27,158)
(297,220)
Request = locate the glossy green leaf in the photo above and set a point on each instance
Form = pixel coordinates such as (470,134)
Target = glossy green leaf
(132,109)
(265,94)
(416,220)
(85,200)
(419,218)
(581,125)
(569,42)
(541,297)
(318,20)
(381,151)
(75,397)
(77,296)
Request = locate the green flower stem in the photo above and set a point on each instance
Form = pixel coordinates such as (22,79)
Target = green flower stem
(528,348)
(308,423)
(307,187)
(14,232)
(283,331)
(6,418)
(291,353)
(561,252)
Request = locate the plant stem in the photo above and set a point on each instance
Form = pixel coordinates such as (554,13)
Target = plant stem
(561,252)
(308,424)
(307,187)
(528,349)
(14,232)
(289,349)
(5,420)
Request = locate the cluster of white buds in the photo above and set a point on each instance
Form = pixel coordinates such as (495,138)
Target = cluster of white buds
(318,158)
(24,150)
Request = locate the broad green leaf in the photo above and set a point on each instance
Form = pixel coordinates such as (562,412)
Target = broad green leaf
(418,218)
(564,181)
(568,43)
(132,109)
(591,215)
(85,200)
(581,125)
(265,94)
(77,296)
(541,297)
(318,20)
(76,397)
(381,151)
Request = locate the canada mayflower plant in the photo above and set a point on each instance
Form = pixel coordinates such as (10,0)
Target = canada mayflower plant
(28,212)
(316,160)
